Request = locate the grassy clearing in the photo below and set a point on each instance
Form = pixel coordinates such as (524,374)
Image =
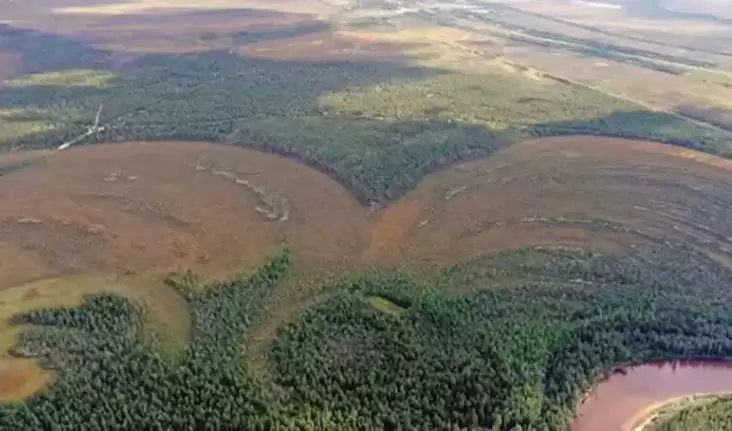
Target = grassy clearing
(65,78)
(102,341)
(165,311)
(572,191)
(386,306)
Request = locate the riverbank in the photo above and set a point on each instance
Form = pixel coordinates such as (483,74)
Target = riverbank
(629,400)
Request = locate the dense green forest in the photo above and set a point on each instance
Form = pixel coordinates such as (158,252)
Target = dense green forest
(507,341)
(112,376)
(704,416)
(376,126)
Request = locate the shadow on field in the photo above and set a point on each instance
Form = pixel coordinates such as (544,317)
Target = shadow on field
(378,152)
(642,125)
(265,103)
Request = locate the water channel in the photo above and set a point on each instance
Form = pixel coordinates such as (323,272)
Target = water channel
(624,399)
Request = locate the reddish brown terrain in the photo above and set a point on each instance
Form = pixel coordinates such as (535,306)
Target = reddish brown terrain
(9,63)
(571,190)
(111,208)
(217,209)
(162,31)
(322,46)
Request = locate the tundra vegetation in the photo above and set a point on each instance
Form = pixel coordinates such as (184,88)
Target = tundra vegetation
(378,126)
(505,341)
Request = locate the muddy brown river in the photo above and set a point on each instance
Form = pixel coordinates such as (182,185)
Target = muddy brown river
(622,401)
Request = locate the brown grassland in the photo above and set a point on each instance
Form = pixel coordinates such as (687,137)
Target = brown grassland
(8,63)
(322,8)
(162,31)
(173,26)
(138,211)
(172,206)
(322,46)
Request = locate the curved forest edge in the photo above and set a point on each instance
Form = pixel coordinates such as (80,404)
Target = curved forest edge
(376,126)
(361,196)
(454,351)
(696,413)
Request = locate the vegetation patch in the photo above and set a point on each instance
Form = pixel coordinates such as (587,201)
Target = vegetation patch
(697,414)
(165,320)
(512,357)
(378,126)
(65,78)
(386,306)
(518,355)
(111,376)
(504,341)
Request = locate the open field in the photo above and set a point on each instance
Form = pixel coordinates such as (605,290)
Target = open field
(8,64)
(217,209)
(42,11)
(708,95)
(141,6)
(571,184)
(133,28)
(153,208)
(204,30)
(323,46)
(684,31)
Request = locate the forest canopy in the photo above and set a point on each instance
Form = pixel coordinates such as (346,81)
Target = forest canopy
(471,347)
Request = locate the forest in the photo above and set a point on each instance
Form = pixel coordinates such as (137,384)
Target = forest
(704,416)
(360,121)
(508,341)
